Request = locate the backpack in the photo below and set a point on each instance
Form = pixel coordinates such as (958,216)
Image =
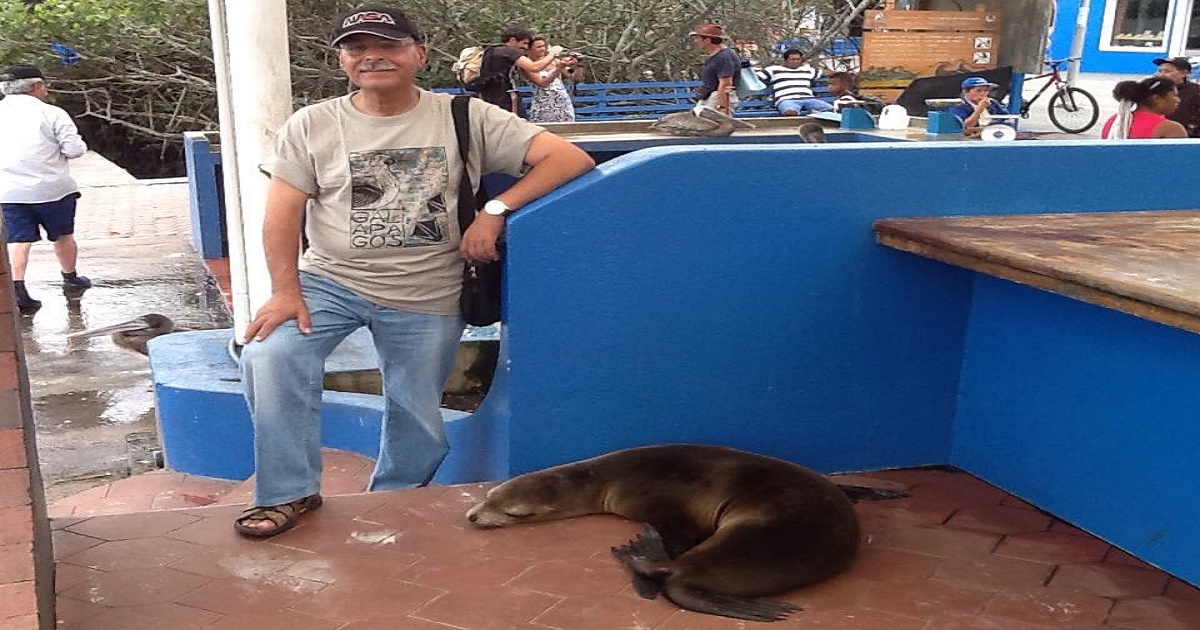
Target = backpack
(470,62)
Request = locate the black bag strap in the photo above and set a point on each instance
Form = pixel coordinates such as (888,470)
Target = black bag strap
(460,108)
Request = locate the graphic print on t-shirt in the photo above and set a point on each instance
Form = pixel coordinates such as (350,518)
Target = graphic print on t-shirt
(397,198)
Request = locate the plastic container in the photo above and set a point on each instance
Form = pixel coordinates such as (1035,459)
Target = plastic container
(893,117)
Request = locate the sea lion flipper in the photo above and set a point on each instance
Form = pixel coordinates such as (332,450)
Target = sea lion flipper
(865,493)
(749,608)
(647,560)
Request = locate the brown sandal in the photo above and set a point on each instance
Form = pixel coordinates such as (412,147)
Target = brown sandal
(284,516)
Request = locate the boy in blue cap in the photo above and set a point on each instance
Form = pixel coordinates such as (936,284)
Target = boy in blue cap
(975,102)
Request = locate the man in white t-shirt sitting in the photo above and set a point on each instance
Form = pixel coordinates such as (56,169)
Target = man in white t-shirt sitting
(791,85)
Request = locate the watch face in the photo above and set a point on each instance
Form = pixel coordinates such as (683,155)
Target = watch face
(495,207)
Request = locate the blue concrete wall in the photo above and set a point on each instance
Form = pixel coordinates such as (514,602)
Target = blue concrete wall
(205,204)
(734,294)
(1088,413)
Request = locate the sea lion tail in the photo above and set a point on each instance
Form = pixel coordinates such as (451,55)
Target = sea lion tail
(749,608)
(864,493)
(647,560)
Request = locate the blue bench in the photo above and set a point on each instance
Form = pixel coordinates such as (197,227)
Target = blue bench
(647,99)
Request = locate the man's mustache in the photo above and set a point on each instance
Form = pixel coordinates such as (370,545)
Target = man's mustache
(373,66)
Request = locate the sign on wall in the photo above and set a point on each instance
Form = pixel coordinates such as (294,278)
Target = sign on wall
(900,45)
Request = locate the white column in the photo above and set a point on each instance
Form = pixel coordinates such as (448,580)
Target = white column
(254,84)
(1078,37)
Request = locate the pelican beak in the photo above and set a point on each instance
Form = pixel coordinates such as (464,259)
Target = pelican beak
(719,117)
(129,326)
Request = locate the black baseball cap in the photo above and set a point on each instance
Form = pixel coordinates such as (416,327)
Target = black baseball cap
(14,73)
(1183,63)
(375,19)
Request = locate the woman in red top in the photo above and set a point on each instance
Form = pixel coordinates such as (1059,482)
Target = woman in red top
(1143,111)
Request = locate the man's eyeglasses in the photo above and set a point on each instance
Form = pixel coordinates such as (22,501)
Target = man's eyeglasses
(358,49)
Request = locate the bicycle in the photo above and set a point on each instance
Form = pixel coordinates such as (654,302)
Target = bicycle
(1072,109)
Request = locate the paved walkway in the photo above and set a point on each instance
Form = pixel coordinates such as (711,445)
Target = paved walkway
(92,400)
(956,555)
(115,205)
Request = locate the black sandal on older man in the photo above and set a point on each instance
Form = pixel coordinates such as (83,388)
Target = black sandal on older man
(281,517)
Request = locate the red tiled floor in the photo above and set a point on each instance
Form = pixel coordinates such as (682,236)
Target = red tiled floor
(218,268)
(16,562)
(163,614)
(135,587)
(12,448)
(924,598)
(1041,606)
(620,610)
(1156,613)
(16,524)
(957,555)
(16,599)
(14,487)
(67,543)
(1000,519)
(1052,548)
(1111,580)
(24,622)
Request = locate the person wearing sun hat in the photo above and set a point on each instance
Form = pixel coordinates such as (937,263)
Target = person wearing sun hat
(719,75)
(974,104)
(372,179)
(1187,113)
(37,192)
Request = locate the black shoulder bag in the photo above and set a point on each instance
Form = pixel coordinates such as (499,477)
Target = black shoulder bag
(480,299)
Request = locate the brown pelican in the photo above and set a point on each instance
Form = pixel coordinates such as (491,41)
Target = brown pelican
(699,121)
(135,333)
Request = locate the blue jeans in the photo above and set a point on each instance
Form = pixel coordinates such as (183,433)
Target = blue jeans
(283,377)
(803,105)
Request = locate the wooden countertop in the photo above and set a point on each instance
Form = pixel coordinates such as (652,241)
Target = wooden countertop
(1146,264)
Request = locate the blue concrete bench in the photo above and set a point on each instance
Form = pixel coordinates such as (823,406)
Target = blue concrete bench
(646,99)
(205,425)
(651,99)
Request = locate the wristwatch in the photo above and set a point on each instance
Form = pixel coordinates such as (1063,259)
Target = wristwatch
(496,208)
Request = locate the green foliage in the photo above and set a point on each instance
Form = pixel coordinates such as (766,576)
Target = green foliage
(147,64)
(144,65)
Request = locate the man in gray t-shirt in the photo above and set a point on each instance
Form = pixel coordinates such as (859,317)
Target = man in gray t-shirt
(378,172)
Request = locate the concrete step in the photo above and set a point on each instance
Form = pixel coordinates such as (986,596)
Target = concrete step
(344,473)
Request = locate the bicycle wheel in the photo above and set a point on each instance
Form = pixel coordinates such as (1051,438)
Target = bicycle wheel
(1073,110)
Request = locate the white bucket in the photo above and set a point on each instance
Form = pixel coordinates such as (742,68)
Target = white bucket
(893,117)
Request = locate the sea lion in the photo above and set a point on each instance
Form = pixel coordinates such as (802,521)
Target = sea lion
(734,526)
(812,133)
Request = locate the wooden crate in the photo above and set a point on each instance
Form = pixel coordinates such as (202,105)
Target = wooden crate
(899,46)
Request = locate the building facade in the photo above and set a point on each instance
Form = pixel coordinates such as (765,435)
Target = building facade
(1125,36)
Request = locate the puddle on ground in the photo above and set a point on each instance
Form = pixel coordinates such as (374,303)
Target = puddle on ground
(89,396)
(83,410)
